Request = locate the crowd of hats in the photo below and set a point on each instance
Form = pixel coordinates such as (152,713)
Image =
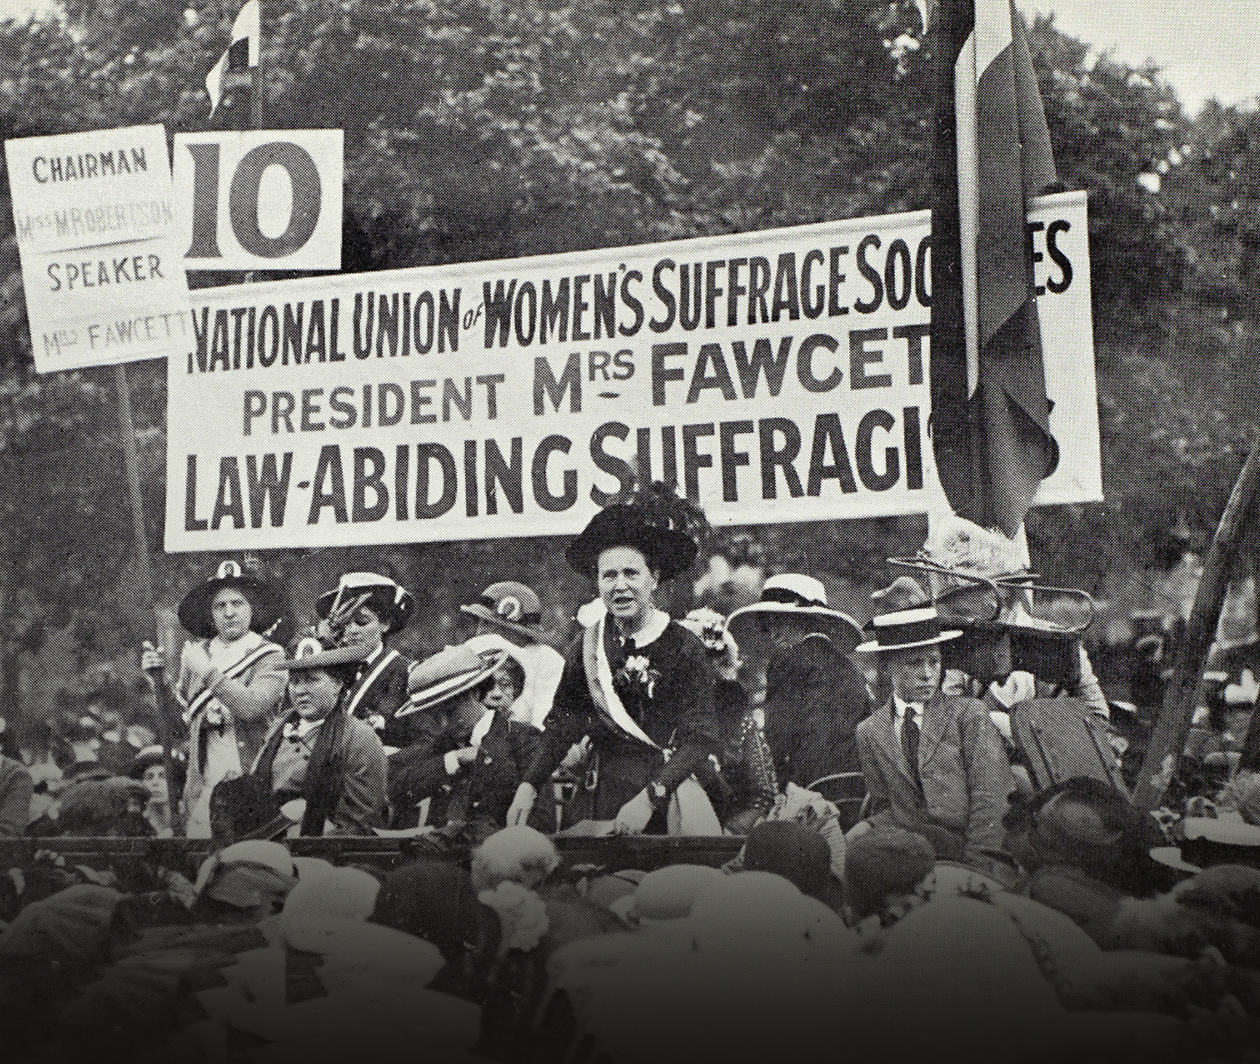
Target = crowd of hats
(510,956)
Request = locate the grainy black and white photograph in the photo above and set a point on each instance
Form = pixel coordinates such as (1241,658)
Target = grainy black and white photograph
(624,532)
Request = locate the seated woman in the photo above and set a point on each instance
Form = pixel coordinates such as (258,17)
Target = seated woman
(320,754)
(472,754)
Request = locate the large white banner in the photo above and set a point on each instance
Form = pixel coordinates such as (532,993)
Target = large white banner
(95,224)
(775,376)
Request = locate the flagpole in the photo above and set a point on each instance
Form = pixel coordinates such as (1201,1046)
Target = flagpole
(1168,738)
(257,81)
(144,564)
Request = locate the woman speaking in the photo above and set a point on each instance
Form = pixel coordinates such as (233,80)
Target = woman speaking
(637,684)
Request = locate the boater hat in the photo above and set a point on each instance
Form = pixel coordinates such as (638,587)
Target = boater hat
(195,613)
(388,599)
(448,673)
(905,629)
(799,598)
(511,606)
(310,652)
(654,520)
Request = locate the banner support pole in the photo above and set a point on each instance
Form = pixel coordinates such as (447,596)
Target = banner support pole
(1168,738)
(144,564)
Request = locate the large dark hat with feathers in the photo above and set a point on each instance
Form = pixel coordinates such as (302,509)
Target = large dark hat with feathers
(653,519)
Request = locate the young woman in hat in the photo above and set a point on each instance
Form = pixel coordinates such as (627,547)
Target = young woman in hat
(509,615)
(229,683)
(363,612)
(638,684)
(320,754)
(473,753)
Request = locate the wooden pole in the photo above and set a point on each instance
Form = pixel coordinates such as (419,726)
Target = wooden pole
(144,566)
(1169,736)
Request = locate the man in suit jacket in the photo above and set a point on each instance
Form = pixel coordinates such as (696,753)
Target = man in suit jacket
(933,764)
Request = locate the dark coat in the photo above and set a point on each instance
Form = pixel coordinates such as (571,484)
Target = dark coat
(477,793)
(670,698)
(382,692)
(815,697)
(344,786)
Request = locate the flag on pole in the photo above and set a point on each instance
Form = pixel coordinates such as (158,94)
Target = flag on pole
(241,53)
(990,415)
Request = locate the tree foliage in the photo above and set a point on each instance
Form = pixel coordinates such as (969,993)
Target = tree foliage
(481,129)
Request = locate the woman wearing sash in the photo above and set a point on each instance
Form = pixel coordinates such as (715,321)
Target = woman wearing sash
(229,683)
(637,684)
(363,612)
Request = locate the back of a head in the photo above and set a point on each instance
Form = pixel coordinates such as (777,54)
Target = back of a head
(670,893)
(884,864)
(796,852)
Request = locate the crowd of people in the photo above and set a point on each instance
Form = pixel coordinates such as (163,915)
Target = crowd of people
(935,806)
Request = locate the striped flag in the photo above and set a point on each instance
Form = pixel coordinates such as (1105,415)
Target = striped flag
(990,415)
(241,53)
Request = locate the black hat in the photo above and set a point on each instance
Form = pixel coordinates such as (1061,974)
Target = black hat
(388,599)
(654,520)
(195,614)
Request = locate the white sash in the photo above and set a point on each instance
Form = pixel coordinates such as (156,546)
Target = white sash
(368,680)
(689,811)
(237,668)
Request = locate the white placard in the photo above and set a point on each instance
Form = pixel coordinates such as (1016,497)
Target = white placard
(262,199)
(95,219)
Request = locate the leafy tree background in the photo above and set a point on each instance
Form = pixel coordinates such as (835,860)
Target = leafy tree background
(494,128)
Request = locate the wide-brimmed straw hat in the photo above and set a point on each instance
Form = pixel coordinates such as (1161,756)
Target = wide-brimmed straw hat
(653,520)
(904,629)
(387,598)
(798,598)
(311,652)
(1203,842)
(265,601)
(511,606)
(448,673)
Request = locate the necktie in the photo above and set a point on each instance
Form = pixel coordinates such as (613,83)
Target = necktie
(910,744)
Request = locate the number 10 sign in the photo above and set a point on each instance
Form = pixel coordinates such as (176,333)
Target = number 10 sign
(260,199)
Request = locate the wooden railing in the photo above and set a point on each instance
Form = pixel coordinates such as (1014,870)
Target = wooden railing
(611,853)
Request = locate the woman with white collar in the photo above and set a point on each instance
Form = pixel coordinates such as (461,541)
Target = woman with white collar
(637,684)
(229,683)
